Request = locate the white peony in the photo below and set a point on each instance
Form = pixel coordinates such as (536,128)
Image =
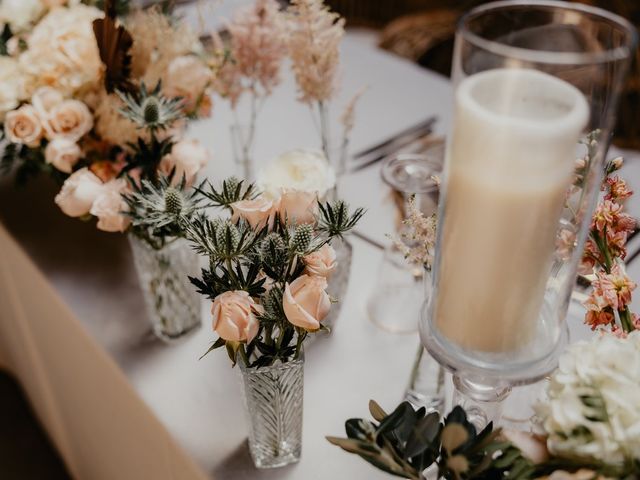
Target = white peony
(593,409)
(303,169)
(10,83)
(62,52)
(20,14)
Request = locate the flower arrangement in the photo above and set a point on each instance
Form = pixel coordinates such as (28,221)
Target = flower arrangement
(589,423)
(603,259)
(269,264)
(79,104)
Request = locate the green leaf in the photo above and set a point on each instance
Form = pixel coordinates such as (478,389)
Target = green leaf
(217,344)
(423,435)
(395,419)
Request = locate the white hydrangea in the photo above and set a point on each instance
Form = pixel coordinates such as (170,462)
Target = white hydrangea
(593,409)
(20,14)
(10,81)
(305,170)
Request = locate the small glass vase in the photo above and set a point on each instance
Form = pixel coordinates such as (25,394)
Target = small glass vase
(242,142)
(173,305)
(339,280)
(273,401)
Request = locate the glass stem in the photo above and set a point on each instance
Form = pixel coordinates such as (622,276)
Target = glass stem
(482,399)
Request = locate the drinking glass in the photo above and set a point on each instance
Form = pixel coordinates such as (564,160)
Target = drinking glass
(536,85)
(398,310)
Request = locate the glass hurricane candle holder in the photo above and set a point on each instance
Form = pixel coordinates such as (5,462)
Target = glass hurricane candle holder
(536,86)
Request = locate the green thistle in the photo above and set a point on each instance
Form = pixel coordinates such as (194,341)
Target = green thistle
(160,210)
(150,109)
(301,239)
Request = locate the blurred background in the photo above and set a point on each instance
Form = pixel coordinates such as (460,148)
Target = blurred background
(423,31)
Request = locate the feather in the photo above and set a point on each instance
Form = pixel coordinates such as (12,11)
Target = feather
(114,42)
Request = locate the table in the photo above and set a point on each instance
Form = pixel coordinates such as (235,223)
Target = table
(119,404)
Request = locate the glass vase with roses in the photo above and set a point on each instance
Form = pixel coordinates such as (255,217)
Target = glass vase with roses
(268,264)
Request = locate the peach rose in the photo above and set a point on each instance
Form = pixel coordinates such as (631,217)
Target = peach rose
(258,212)
(62,153)
(298,206)
(23,126)
(78,193)
(306,302)
(188,157)
(322,262)
(109,207)
(44,99)
(70,119)
(187,77)
(234,316)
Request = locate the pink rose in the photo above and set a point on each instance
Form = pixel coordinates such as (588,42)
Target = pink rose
(258,212)
(322,262)
(62,153)
(234,316)
(70,119)
(44,99)
(306,302)
(23,126)
(78,193)
(188,157)
(298,206)
(109,207)
(187,77)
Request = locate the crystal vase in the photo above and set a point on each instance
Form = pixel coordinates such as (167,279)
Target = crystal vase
(173,305)
(273,400)
(339,280)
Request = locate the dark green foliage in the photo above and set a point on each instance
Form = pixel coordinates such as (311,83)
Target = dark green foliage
(335,219)
(27,163)
(232,190)
(4,38)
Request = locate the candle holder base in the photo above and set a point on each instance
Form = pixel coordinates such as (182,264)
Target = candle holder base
(482,399)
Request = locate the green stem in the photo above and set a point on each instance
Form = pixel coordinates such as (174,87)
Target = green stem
(626,320)
(243,355)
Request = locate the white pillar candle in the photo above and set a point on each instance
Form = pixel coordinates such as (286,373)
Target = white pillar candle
(509,165)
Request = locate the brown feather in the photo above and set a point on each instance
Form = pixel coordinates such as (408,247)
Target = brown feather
(114,43)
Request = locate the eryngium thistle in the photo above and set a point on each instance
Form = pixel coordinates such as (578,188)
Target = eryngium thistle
(272,248)
(227,236)
(301,238)
(151,110)
(173,201)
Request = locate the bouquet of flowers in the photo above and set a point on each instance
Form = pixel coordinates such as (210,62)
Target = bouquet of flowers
(269,264)
(90,95)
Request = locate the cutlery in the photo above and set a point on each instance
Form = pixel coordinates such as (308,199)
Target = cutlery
(407,144)
(412,131)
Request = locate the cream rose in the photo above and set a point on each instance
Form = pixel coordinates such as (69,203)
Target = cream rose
(298,206)
(304,170)
(322,262)
(257,212)
(188,157)
(70,119)
(44,100)
(306,302)
(63,52)
(10,83)
(109,207)
(234,316)
(62,153)
(78,193)
(23,126)
(187,77)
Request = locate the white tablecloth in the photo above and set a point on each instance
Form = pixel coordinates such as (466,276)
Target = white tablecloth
(119,404)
